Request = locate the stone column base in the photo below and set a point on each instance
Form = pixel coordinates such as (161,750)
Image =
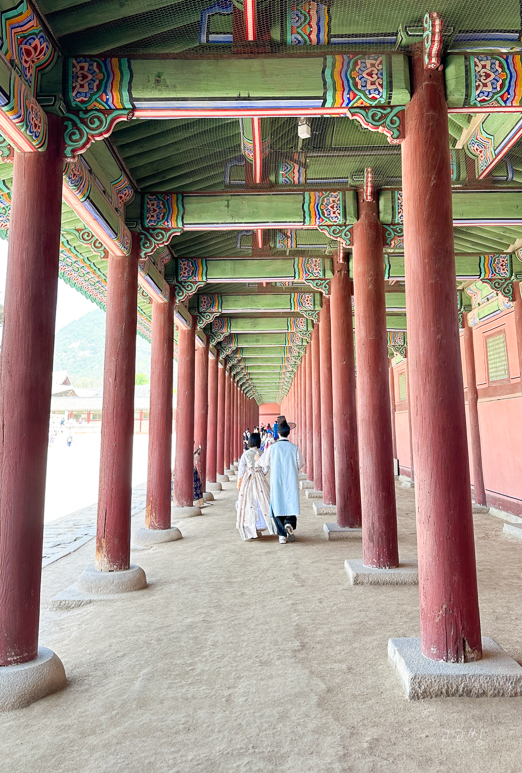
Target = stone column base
(405,574)
(313,494)
(305,484)
(208,496)
(334,532)
(92,581)
(222,478)
(146,537)
(25,683)
(321,509)
(214,486)
(496,675)
(301,476)
(513,529)
(185,512)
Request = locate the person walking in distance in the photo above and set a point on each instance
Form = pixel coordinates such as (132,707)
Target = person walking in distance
(285,460)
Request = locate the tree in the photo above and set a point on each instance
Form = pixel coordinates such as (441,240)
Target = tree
(141,378)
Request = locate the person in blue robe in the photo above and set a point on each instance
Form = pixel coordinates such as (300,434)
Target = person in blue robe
(284,460)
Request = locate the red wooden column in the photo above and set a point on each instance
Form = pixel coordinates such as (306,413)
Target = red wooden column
(228,413)
(201,405)
(220,445)
(25,390)
(117,431)
(379,516)
(474,427)
(450,623)
(316,409)
(158,516)
(235,422)
(518,322)
(184,462)
(327,425)
(346,452)
(309,416)
(392,407)
(212,422)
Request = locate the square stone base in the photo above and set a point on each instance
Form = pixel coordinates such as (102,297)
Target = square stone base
(496,675)
(513,529)
(405,574)
(313,494)
(333,532)
(321,509)
(304,484)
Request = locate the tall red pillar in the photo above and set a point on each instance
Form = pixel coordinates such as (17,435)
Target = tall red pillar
(235,422)
(201,406)
(228,434)
(518,322)
(316,409)
(449,611)
(346,452)
(160,417)
(25,389)
(309,416)
(212,419)
(184,462)
(220,445)
(327,425)
(392,407)
(474,427)
(117,431)
(377,480)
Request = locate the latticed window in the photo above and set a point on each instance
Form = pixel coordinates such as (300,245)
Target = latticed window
(498,367)
(402,386)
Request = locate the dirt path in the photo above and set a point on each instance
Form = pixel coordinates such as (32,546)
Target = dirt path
(260,657)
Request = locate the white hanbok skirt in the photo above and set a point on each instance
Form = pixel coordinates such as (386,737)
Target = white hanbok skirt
(253,506)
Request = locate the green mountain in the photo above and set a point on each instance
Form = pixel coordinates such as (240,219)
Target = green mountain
(79,349)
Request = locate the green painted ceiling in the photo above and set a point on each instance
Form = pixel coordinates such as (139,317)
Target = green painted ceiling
(205,154)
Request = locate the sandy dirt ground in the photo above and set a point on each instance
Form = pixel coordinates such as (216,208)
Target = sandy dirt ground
(260,657)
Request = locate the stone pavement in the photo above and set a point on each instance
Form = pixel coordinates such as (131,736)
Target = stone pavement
(66,534)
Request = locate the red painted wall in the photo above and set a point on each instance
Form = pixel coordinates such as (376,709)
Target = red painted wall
(500,417)
(268,413)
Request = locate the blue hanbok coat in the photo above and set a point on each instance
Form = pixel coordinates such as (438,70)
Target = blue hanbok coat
(284,459)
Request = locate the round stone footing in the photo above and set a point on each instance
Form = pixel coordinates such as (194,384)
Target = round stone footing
(92,581)
(223,478)
(145,537)
(214,486)
(185,512)
(26,683)
(208,496)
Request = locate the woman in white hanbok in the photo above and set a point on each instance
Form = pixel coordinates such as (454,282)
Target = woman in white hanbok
(253,505)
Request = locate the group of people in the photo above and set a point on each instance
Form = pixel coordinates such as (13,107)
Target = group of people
(267,434)
(269,506)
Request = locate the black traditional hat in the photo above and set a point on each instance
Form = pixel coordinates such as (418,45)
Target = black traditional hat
(282,423)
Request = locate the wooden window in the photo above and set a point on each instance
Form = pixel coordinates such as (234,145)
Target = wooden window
(498,367)
(403,395)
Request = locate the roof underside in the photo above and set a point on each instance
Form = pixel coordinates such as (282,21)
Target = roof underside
(206,155)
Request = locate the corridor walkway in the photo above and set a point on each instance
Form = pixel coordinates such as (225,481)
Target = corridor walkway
(259,657)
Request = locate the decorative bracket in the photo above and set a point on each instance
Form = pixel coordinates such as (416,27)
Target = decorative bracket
(209,307)
(81,129)
(497,272)
(432,40)
(85,236)
(397,342)
(151,239)
(394,236)
(343,233)
(220,328)
(386,120)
